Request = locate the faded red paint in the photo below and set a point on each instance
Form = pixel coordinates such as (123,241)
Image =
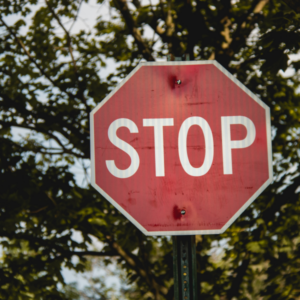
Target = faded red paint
(209,200)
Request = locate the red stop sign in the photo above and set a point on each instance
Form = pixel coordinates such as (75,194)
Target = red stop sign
(181,148)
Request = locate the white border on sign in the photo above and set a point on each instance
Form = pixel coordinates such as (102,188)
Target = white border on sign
(184,232)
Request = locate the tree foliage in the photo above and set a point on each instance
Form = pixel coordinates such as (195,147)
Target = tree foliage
(50,81)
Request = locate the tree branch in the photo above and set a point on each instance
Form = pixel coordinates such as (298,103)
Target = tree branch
(42,71)
(136,3)
(143,255)
(49,195)
(26,51)
(69,41)
(238,39)
(77,13)
(166,35)
(260,5)
(134,31)
(170,27)
(38,210)
(49,119)
(288,195)
(238,279)
(65,150)
(136,266)
(48,153)
(93,253)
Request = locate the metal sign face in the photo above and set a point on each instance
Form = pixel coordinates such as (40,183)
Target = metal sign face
(181,148)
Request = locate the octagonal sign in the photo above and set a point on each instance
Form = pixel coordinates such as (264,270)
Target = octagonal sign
(181,148)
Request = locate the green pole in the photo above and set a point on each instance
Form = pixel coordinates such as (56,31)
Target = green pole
(185,268)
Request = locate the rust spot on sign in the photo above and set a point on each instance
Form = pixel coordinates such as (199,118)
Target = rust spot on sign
(173,82)
(177,212)
(134,140)
(198,103)
(131,200)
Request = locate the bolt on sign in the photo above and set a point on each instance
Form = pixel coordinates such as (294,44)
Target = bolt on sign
(181,148)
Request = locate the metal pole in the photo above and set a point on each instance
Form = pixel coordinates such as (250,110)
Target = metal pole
(184,255)
(185,268)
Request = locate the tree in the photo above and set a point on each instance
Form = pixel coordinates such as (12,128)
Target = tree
(49,84)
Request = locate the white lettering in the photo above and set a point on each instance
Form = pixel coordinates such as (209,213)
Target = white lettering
(158,125)
(135,160)
(182,146)
(228,144)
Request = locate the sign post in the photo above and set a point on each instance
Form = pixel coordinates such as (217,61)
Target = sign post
(181,148)
(185,268)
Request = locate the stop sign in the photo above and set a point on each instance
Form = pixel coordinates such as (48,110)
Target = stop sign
(181,148)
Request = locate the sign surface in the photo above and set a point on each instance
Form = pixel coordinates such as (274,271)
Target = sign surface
(185,158)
